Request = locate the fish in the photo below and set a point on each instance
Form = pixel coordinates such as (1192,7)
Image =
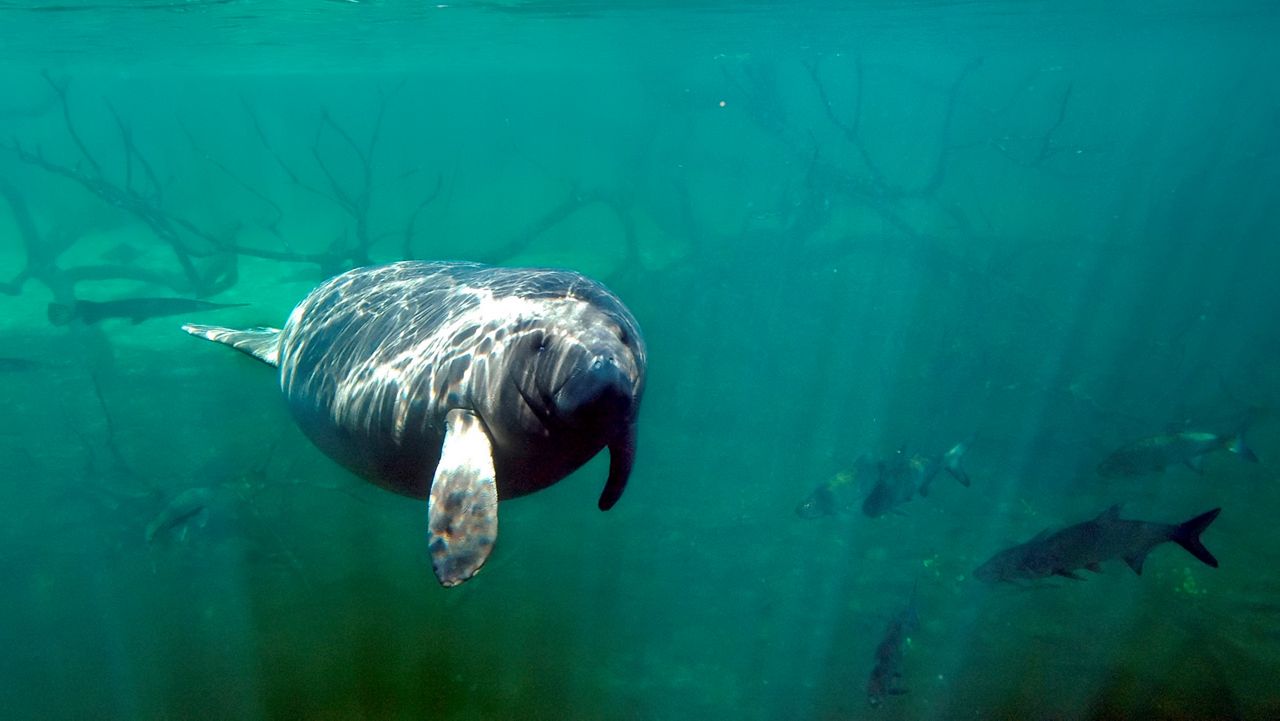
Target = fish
(903,476)
(949,461)
(122,253)
(886,676)
(1087,545)
(191,507)
(9,364)
(1154,454)
(839,494)
(135,309)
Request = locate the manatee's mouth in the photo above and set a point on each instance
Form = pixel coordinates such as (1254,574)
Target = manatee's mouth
(559,407)
(593,394)
(597,403)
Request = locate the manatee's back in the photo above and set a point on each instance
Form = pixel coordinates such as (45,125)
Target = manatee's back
(357,360)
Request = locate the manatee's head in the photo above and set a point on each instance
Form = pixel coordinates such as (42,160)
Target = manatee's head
(582,376)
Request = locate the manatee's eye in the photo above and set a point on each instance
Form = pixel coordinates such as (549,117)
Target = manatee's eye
(541,341)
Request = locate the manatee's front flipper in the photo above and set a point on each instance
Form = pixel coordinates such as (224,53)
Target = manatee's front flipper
(261,343)
(622,455)
(463,508)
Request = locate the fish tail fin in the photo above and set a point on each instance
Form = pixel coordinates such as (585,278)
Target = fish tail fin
(1187,535)
(951,461)
(1237,446)
(261,343)
(61,313)
(1236,443)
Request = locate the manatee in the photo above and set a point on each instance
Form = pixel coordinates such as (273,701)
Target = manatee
(459,383)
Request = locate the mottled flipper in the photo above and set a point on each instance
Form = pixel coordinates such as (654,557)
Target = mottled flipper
(463,508)
(261,343)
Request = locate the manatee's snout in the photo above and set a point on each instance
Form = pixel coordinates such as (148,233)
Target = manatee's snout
(596,392)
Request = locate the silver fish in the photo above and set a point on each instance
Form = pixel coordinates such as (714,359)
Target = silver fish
(1086,545)
(135,309)
(1154,454)
(839,494)
(903,476)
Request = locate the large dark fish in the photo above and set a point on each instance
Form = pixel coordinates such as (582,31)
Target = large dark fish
(135,309)
(1086,545)
(839,494)
(903,476)
(886,676)
(1150,455)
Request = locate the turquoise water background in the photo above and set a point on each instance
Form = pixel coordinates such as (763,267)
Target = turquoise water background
(845,229)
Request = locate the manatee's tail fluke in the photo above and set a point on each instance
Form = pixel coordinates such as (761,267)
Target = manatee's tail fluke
(261,343)
(1187,535)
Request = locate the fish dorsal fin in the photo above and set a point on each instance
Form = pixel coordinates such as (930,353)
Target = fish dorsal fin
(261,343)
(1095,567)
(1111,514)
(1068,574)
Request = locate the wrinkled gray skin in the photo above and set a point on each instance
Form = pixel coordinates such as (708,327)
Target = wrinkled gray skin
(532,372)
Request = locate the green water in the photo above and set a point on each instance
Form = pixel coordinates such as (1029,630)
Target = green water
(845,230)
